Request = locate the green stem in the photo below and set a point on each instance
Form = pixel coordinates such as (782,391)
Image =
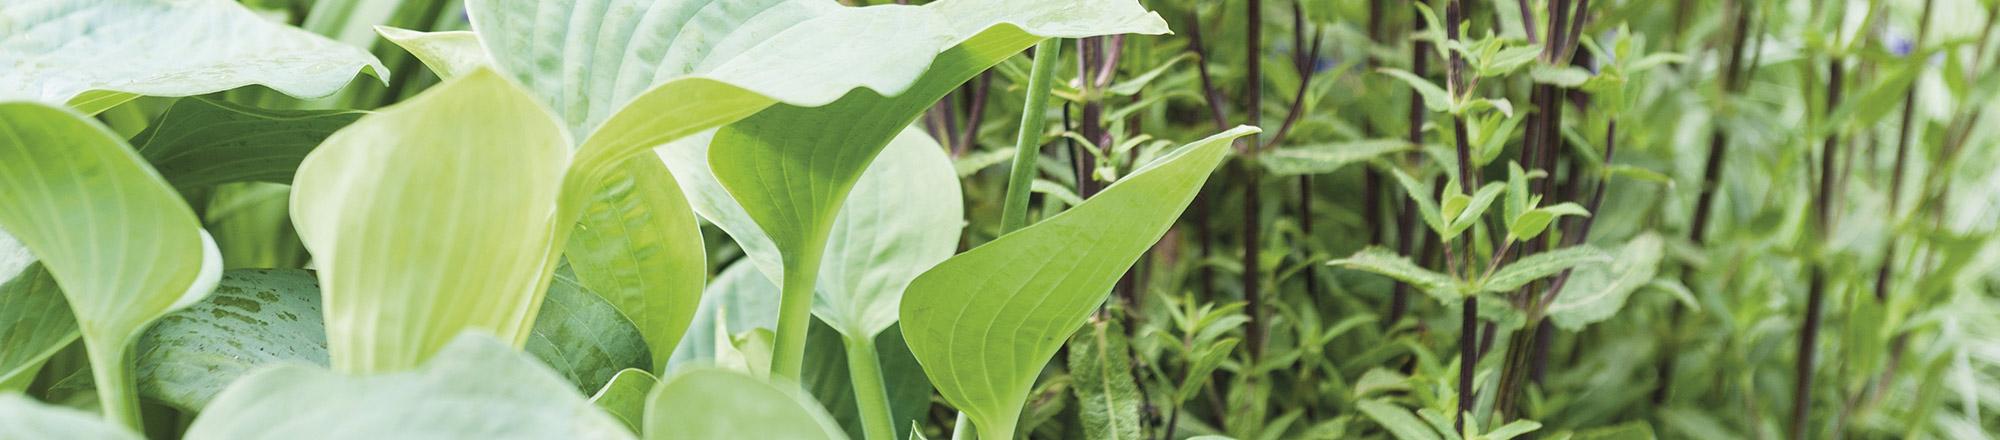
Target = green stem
(962,429)
(116,390)
(794,316)
(1028,142)
(869,395)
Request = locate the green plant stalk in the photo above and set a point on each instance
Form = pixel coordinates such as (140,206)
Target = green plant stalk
(962,429)
(117,390)
(794,316)
(1028,141)
(870,396)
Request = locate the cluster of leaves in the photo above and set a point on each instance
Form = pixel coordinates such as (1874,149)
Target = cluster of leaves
(821,219)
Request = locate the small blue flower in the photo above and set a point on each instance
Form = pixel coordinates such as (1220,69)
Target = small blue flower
(1901,45)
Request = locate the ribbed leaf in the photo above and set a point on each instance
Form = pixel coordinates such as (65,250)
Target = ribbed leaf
(1385,262)
(121,243)
(985,322)
(721,404)
(638,246)
(94,54)
(476,387)
(447,54)
(23,418)
(1595,292)
(200,141)
(432,217)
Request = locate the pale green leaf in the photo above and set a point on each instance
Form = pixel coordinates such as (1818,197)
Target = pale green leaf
(419,210)
(1397,420)
(35,320)
(22,418)
(738,300)
(721,404)
(1563,76)
(1101,377)
(1421,194)
(903,217)
(1541,265)
(448,54)
(476,387)
(1513,429)
(200,141)
(122,245)
(1474,208)
(985,322)
(638,245)
(94,54)
(1436,99)
(1595,292)
(1385,262)
(625,397)
(1327,157)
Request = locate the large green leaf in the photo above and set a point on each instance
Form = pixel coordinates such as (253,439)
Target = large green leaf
(94,54)
(1595,292)
(721,404)
(625,397)
(260,317)
(22,418)
(903,218)
(35,321)
(201,141)
(639,246)
(432,217)
(122,245)
(477,387)
(985,322)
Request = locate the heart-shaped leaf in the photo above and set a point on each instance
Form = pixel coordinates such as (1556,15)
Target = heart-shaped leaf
(985,322)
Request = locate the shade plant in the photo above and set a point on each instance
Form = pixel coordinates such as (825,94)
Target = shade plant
(1096,219)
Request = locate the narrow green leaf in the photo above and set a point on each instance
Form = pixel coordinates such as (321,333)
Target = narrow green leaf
(123,246)
(985,322)
(1563,76)
(1101,374)
(625,397)
(384,207)
(721,404)
(1421,193)
(200,141)
(476,387)
(1513,429)
(35,321)
(1595,292)
(1474,208)
(1327,158)
(1542,265)
(1382,261)
(23,418)
(1397,420)
(639,246)
(1436,99)
(92,62)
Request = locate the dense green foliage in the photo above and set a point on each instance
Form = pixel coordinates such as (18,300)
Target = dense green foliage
(1092,219)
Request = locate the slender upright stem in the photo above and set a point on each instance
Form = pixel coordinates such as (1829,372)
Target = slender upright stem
(962,429)
(794,317)
(870,396)
(1816,287)
(1028,141)
(1468,335)
(117,390)
(1253,275)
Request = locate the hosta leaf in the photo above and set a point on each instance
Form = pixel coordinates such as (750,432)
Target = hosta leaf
(719,404)
(466,175)
(94,54)
(985,322)
(791,166)
(35,321)
(1387,263)
(1542,265)
(738,300)
(24,419)
(903,217)
(477,387)
(262,317)
(1326,158)
(1101,370)
(638,246)
(201,141)
(1595,292)
(448,54)
(122,244)
(625,397)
